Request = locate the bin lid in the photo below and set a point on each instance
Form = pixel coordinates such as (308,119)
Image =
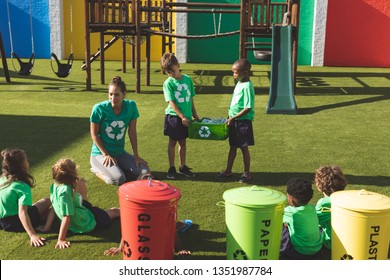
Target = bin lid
(254,196)
(360,200)
(144,191)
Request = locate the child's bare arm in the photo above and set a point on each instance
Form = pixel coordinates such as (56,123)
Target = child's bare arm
(184,120)
(62,243)
(194,113)
(35,240)
(240,114)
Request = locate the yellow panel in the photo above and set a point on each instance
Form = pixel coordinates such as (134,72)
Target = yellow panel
(76,39)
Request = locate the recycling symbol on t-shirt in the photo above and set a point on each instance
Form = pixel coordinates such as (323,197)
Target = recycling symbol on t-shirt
(116,130)
(204,132)
(182,88)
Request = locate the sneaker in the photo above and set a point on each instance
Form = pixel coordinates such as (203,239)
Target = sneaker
(224,175)
(186,171)
(245,178)
(172,173)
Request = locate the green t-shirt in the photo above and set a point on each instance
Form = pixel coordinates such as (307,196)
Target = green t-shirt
(68,203)
(243,97)
(12,196)
(303,227)
(181,92)
(113,127)
(323,213)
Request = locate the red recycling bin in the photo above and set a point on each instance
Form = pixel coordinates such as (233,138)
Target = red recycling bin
(148,214)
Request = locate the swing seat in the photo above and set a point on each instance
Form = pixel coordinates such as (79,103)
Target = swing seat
(63,69)
(25,67)
(263,55)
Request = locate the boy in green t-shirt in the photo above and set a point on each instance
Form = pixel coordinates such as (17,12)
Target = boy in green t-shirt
(328,179)
(301,235)
(178,93)
(240,117)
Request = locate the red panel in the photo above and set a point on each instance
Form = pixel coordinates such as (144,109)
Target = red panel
(358,33)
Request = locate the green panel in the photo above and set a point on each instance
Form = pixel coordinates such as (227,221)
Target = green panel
(215,50)
(226,49)
(305,36)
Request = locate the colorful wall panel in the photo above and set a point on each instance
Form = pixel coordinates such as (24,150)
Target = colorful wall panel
(77,37)
(226,49)
(23,40)
(357,33)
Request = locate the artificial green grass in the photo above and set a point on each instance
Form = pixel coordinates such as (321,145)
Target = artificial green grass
(343,119)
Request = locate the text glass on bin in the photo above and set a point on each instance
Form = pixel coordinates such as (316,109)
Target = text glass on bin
(148,219)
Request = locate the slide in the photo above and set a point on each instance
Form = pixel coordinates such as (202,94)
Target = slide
(281,93)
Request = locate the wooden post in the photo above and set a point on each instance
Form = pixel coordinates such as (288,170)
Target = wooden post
(133,21)
(132,56)
(4,60)
(102,58)
(123,56)
(243,16)
(148,42)
(87,45)
(295,23)
(138,46)
(148,45)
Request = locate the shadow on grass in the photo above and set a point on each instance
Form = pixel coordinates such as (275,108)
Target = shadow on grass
(318,84)
(41,136)
(198,240)
(313,110)
(112,233)
(308,83)
(33,76)
(194,240)
(275,179)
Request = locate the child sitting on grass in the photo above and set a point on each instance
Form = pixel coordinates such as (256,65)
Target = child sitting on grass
(68,195)
(301,236)
(17,213)
(328,179)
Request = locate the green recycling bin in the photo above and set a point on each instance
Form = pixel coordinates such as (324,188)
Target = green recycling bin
(208,129)
(254,217)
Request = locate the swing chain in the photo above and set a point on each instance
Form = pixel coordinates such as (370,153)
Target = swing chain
(215,22)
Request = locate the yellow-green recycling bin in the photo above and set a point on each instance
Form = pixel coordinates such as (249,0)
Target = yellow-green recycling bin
(360,222)
(254,218)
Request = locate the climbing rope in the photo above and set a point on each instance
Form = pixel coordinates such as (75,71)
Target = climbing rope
(153,32)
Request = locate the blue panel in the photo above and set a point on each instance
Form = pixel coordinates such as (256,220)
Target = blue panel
(20,22)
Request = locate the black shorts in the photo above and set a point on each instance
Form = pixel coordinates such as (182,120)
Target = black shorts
(101,217)
(13,223)
(241,134)
(287,251)
(174,128)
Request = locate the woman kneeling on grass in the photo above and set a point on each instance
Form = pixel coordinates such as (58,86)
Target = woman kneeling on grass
(17,213)
(68,195)
(109,122)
